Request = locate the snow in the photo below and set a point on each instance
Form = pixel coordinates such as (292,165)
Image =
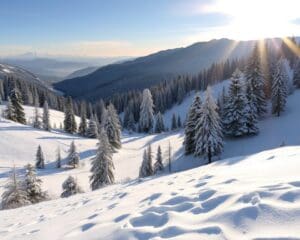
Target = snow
(250,194)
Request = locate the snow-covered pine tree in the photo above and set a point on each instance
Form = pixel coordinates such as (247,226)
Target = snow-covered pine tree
(146,112)
(131,123)
(279,90)
(102,163)
(159,123)
(73,157)
(287,73)
(14,195)
(112,126)
(9,111)
(297,74)
(255,78)
(234,119)
(174,122)
(83,122)
(179,124)
(209,136)
(40,160)
(146,168)
(70,187)
(58,158)
(37,123)
(69,121)
(251,111)
(92,130)
(46,117)
(193,116)
(32,186)
(158,165)
(16,101)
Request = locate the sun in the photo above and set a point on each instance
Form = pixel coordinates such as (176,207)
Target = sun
(257,19)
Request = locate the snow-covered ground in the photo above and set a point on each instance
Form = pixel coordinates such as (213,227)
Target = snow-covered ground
(242,197)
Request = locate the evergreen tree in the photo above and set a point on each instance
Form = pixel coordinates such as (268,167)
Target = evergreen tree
(251,111)
(159,123)
(146,168)
(40,161)
(37,118)
(18,110)
(234,121)
(58,158)
(146,112)
(92,130)
(279,90)
(69,121)
(112,126)
(131,123)
(14,196)
(174,122)
(9,111)
(83,122)
(255,78)
(158,165)
(297,74)
(209,137)
(70,187)
(32,185)
(193,117)
(46,117)
(102,164)
(73,157)
(179,124)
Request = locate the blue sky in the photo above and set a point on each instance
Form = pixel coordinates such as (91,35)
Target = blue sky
(129,27)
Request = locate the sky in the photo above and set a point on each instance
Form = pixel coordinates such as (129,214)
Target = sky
(111,28)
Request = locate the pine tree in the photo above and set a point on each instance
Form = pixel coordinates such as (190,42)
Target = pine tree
(14,196)
(146,112)
(58,158)
(297,74)
(32,185)
(179,124)
(37,118)
(159,123)
(69,121)
(92,130)
(131,123)
(46,117)
(112,126)
(17,107)
(251,112)
(193,117)
(9,111)
(279,90)
(254,77)
(73,157)
(146,168)
(174,122)
(102,164)
(83,122)
(40,161)
(209,136)
(70,187)
(234,119)
(158,165)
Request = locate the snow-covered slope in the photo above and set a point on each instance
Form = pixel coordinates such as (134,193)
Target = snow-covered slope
(254,197)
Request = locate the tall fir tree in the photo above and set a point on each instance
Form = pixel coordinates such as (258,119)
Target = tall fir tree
(146,112)
(131,123)
(296,78)
(102,164)
(193,117)
(234,119)
(255,77)
(159,123)
(37,123)
(33,186)
(46,117)
(174,122)
(58,158)
(73,157)
(40,160)
(209,136)
(179,124)
(9,111)
(70,187)
(83,121)
(146,168)
(279,90)
(18,111)
(251,111)
(69,121)
(92,130)
(158,165)
(14,195)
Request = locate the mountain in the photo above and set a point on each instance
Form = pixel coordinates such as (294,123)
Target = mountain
(81,72)
(146,71)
